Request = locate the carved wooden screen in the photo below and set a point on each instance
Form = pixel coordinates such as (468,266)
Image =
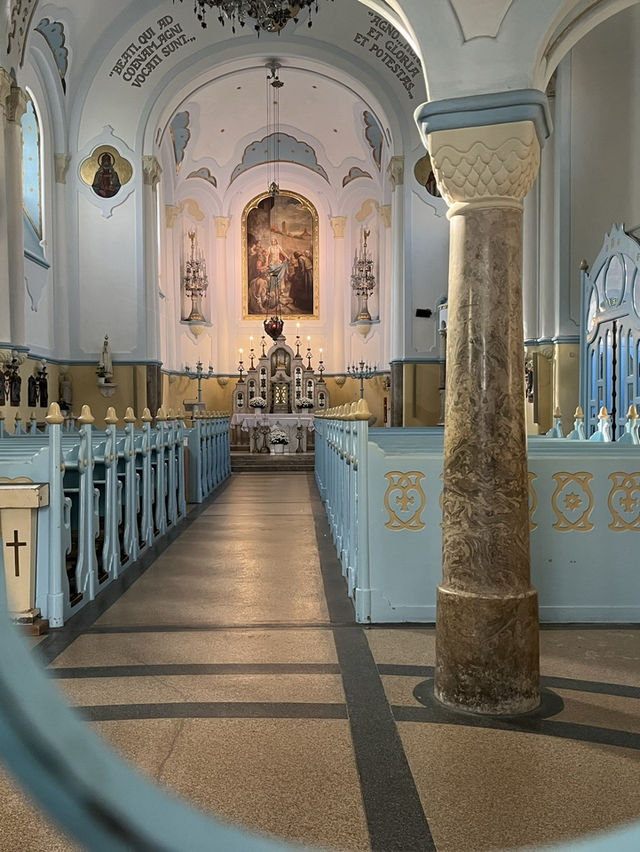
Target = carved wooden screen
(610,332)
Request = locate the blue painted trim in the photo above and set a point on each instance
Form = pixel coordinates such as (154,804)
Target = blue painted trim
(481,110)
(567,338)
(35,355)
(18,347)
(552,341)
(427,359)
(538,341)
(194,375)
(40,261)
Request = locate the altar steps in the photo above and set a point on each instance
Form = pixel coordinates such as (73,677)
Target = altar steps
(269,462)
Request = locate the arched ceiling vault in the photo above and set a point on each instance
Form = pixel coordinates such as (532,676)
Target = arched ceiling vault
(466,48)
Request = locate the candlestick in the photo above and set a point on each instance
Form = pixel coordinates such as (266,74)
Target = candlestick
(263,345)
(362,371)
(199,374)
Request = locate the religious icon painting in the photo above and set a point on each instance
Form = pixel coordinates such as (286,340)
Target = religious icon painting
(105,171)
(280,257)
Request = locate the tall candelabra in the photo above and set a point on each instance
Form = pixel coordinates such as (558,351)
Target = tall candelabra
(362,278)
(199,375)
(195,279)
(362,372)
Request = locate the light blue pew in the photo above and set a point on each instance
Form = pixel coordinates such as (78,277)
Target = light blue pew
(584,518)
(126,486)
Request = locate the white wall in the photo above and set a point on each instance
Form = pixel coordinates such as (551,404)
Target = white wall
(605,122)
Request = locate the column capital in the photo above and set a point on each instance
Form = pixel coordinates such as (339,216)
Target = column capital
(395,171)
(339,224)
(61,165)
(151,170)
(485,149)
(491,166)
(222,226)
(16,104)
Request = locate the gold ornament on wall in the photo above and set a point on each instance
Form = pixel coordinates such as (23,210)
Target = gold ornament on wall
(572,501)
(624,501)
(404,499)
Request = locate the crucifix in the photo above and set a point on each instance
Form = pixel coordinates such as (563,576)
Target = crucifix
(16,544)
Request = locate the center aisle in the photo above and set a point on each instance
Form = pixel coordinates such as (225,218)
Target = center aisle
(231,671)
(221,673)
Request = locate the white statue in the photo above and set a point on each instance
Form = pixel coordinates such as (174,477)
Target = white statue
(105,358)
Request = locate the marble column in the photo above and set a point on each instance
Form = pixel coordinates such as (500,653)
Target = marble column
(395,172)
(487,657)
(15,106)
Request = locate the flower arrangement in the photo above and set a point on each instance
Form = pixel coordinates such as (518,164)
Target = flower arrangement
(101,371)
(304,403)
(257,402)
(278,436)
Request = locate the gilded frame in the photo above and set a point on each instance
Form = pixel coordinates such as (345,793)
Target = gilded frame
(258,226)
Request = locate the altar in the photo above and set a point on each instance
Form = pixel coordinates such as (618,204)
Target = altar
(278,391)
(297,427)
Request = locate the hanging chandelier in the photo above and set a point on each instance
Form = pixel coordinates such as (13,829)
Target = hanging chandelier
(274,324)
(268,15)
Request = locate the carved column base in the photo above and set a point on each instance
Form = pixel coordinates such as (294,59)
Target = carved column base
(487,652)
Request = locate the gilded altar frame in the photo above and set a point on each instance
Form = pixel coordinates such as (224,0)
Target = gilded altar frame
(293,222)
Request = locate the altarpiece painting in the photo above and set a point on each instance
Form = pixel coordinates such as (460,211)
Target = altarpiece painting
(280,257)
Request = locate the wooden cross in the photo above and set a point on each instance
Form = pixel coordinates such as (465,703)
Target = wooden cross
(16,544)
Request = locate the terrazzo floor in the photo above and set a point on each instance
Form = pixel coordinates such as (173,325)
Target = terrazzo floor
(232,673)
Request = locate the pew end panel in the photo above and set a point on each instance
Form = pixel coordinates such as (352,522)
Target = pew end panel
(405,533)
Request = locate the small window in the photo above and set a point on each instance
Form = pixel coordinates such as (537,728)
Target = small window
(32,185)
